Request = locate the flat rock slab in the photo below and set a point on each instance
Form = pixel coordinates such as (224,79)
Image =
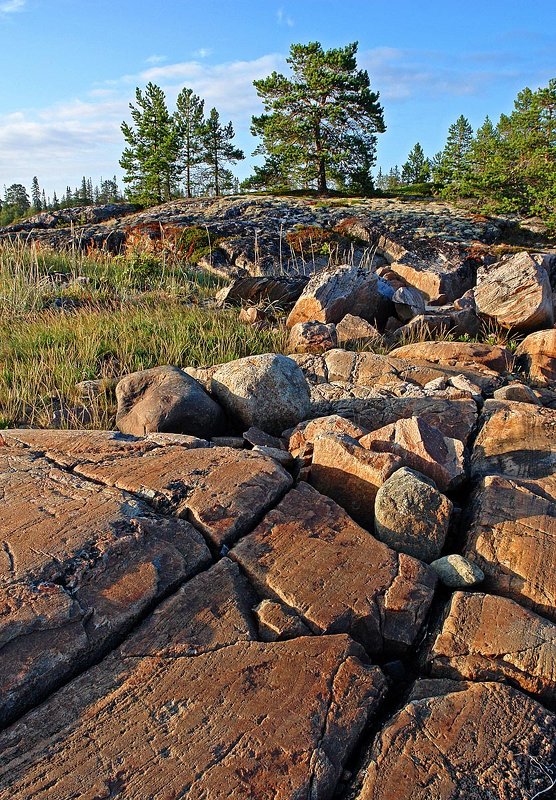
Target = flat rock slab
(512,539)
(471,743)
(210,611)
(457,354)
(222,491)
(309,554)
(79,564)
(69,448)
(484,637)
(275,721)
(517,440)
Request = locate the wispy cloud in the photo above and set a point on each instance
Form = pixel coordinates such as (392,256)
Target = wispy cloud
(284,19)
(203,52)
(12,6)
(155,59)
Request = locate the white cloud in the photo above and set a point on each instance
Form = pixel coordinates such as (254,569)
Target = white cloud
(12,6)
(284,19)
(155,59)
(203,52)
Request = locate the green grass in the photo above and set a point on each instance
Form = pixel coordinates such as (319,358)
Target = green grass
(131,313)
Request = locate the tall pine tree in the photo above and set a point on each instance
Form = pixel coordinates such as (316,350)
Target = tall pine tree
(189,120)
(218,150)
(417,167)
(454,163)
(150,160)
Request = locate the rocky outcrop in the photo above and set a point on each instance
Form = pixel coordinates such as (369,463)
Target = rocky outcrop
(312,337)
(486,638)
(310,555)
(536,355)
(458,740)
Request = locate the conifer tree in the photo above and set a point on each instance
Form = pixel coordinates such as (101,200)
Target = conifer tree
(218,149)
(36,203)
(417,167)
(150,158)
(322,122)
(189,120)
(454,165)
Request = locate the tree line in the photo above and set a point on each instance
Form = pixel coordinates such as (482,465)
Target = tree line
(319,131)
(509,166)
(17,202)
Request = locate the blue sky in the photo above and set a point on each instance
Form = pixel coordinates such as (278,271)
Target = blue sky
(70,67)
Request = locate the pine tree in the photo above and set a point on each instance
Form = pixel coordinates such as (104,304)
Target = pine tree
(417,168)
(322,122)
(150,160)
(55,202)
(454,166)
(36,203)
(218,149)
(189,121)
(394,179)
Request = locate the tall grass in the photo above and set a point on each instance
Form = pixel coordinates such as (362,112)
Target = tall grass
(128,314)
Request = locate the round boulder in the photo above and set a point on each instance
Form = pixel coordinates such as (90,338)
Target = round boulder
(312,337)
(166,399)
(267,391)
(411,515)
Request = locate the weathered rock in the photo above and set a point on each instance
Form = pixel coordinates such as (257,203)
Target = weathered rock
(276,622)
(516,293)
(512,538)
(305,433)
(166,399)
(356,331)
(336,291)
(477,741)
(268,391)
(253,719)
(312,337)
(223,492)
(350,474)
(212,610)
(423,448)
(457,354)
(457,572)
(409,303)
(253,316)
(308,554)
(484,637)
(271,290)
(517,440)
(79,564)
(411,515)
(256,436)
(537,356)
(280,455)
(518,393)
(429,325)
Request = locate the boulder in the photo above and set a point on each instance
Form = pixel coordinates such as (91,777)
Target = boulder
(516,293)
(252,719)
(336,291)
(409,303)
(457,354)
(166,399)
(461,740)
(312,337)
(512,539)
(309,554)
(350,474)
(355,331)
(421,447)
(536,355)
(411,515)
(484,637)
(517,440)
(517,393)
(457,572)
(277,291)
(268,392)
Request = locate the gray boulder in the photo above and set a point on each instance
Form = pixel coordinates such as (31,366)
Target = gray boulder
(166,399)
(267,391)
(411,515)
